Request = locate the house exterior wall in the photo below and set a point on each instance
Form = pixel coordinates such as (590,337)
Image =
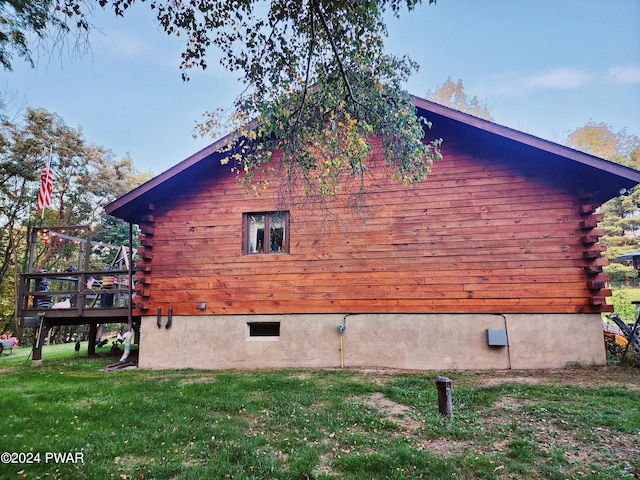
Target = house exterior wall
(402,341)
(420,272)
(481,235)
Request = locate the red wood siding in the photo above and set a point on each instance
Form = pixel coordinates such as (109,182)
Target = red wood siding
(480,235)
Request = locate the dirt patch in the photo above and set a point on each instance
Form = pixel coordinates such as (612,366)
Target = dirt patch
(395,412)
(619,448)
(442,447)
(324,466)
(601,447)
(511,404)
(495,381)
(587,376)
(379,401)
(500,446)
(413,430)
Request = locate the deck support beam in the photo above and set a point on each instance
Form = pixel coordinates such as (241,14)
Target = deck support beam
(91,347)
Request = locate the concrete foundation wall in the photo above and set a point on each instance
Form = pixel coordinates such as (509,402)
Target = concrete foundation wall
(404,341)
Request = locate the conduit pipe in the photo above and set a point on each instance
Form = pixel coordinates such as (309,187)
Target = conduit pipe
(341,328)
(506,329)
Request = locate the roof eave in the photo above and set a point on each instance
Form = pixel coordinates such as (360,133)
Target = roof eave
(527,139)
(118,207)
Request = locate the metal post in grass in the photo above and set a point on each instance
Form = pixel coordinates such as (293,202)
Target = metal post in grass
(40,332)
(445,404)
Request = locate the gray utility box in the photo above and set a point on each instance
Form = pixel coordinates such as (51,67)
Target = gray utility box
(497,338)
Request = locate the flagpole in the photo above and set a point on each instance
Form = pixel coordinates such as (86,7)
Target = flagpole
(48,168)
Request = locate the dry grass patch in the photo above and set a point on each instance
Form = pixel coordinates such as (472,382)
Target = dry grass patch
(400,415)
(580,447)
(197,379)
(495,381)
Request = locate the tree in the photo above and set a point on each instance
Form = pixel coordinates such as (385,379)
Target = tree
(316,78)
(32,21)
(87,177)
(600,140)
(105,180)
(452,95)
(621,215)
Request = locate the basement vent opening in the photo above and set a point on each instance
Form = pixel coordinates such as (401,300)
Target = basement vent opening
(264,329)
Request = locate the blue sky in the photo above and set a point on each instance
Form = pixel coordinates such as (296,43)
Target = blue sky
(545,67)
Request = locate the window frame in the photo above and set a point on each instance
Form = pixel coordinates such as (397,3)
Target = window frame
(263,330)
(246,231)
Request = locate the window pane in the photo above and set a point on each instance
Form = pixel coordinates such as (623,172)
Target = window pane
(276,227)
(264,329)
(256,233)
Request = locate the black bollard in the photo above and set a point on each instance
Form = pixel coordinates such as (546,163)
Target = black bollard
(445,405)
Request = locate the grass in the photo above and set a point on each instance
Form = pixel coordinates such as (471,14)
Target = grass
(322,424)
(20,355)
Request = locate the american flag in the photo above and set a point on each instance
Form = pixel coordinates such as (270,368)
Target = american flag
(46,187)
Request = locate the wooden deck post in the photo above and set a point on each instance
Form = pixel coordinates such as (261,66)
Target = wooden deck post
(93,330)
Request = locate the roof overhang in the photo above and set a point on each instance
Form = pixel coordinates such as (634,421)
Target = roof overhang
(132,204)
(526,139)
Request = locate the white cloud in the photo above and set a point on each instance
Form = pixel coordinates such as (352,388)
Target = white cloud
(126,45)
(556,79)
(512,84)
(630,74)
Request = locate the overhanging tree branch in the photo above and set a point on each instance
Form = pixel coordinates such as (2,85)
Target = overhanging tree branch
(308,69)
(336,52)
(326,105)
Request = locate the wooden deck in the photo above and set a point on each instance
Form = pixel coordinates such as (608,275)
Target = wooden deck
(50,299)
(74,295)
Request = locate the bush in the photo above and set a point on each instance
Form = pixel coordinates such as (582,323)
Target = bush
(622,298)
(621,275)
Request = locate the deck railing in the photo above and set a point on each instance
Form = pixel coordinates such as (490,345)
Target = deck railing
(73,291)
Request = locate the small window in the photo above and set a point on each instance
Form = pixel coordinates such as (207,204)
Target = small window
(266,233)
(264,329)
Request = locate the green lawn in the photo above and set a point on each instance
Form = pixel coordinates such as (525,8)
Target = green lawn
(21,355)
(300,424)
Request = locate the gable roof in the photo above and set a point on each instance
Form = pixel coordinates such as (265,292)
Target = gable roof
(609,176)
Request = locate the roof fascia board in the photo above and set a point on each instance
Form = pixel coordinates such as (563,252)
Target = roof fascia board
(172,172)
(527,139)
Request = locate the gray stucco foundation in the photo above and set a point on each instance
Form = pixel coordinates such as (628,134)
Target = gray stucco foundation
(402,341)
